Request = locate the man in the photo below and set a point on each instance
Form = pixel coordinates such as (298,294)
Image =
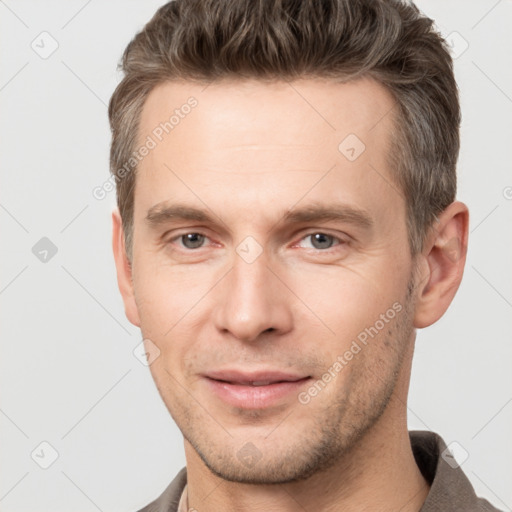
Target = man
(286,221)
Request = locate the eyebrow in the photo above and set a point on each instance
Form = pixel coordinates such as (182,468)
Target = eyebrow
(163,213)
(324,213)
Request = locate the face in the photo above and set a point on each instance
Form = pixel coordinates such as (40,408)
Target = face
(271,269)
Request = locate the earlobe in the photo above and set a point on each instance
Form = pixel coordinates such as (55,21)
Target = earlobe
(442,265)
(123,269)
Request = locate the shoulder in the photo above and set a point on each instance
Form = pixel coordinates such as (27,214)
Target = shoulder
(168,501)
(450,489)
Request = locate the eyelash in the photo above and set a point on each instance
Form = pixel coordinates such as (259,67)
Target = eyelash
(340,241)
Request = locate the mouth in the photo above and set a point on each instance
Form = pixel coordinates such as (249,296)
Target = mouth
(257,383)
(256,390)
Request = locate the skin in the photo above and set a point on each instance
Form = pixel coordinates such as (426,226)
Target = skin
(248,153)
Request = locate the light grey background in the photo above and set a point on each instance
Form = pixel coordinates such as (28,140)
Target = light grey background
(68,373)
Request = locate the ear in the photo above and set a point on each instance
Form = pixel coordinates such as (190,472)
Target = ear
(441,264)
(124,270)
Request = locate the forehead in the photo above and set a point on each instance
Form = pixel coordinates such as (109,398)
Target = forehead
(261,109)
(264,142)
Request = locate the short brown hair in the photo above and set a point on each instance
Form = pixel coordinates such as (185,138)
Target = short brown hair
(390,41)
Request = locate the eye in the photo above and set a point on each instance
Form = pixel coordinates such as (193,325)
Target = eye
(322,241)
(191,240)
(318,240)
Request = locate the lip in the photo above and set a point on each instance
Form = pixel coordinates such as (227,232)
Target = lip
(241,377)
(234,387)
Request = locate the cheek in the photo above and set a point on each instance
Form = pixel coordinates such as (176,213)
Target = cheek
(168,296)
(344,301)
(171,304)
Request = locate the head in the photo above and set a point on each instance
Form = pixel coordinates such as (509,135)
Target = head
(286,185)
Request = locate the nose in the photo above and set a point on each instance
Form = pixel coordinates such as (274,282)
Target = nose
(252,300)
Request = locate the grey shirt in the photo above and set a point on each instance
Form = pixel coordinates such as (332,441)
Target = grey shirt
(450,489)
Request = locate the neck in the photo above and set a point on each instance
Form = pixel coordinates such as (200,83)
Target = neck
(378,474)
